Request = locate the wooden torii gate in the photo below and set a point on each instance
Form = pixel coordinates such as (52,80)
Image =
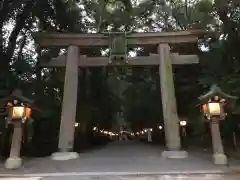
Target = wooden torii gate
(164,59)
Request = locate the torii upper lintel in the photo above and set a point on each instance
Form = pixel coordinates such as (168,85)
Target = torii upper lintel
(90,39)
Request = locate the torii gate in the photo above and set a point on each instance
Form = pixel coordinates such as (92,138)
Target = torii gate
(164,59)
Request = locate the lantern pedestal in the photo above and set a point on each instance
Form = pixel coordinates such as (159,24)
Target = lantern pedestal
(219,159)
(175,154)
(149,136)
(13,163)
(218,152)
(63,156)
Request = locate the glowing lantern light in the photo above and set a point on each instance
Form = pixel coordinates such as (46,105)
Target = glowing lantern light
(28,112)
(215,108)
(183,123)
(204,108)
(18,112)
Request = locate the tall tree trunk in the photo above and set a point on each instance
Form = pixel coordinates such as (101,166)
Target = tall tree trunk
(186,11)
(83,84)
(4,10)
(39,86)
(21,47)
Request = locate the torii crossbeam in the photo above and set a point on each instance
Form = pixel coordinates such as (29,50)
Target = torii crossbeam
(90,40)
(153,59)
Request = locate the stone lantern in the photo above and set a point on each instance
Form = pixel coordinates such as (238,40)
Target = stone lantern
(183,125)
(215,105)
(19,110)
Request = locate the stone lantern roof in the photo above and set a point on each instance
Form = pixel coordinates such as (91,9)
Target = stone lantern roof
(216,91)
(17,94)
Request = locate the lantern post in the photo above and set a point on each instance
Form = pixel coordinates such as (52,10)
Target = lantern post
(215,104)
(149,132)
(183,124)
(19,111)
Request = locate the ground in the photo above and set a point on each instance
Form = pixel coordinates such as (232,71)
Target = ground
(125,160)
(161,177)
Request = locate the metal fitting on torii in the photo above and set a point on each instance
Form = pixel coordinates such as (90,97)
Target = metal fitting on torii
(117,47)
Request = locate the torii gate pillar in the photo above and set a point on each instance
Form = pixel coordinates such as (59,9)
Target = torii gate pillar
(170,116)
(69,103)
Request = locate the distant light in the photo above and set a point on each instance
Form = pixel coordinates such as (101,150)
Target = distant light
(145,130)
(183,123)
(77,124)
(151,129)
(160,127)
(94,128)
(132,54)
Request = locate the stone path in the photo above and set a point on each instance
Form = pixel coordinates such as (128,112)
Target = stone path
(119,158)
(161,177)
(30,178)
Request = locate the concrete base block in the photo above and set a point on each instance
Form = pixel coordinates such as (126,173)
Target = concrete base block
(63,156)
(13,163)
(219,159)
(175,154)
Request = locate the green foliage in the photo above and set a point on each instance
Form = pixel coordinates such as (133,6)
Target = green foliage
(222,64)
(193,15)
(117,15)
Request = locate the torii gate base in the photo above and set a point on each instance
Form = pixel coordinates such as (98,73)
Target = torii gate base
(164,59)
(63,156)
